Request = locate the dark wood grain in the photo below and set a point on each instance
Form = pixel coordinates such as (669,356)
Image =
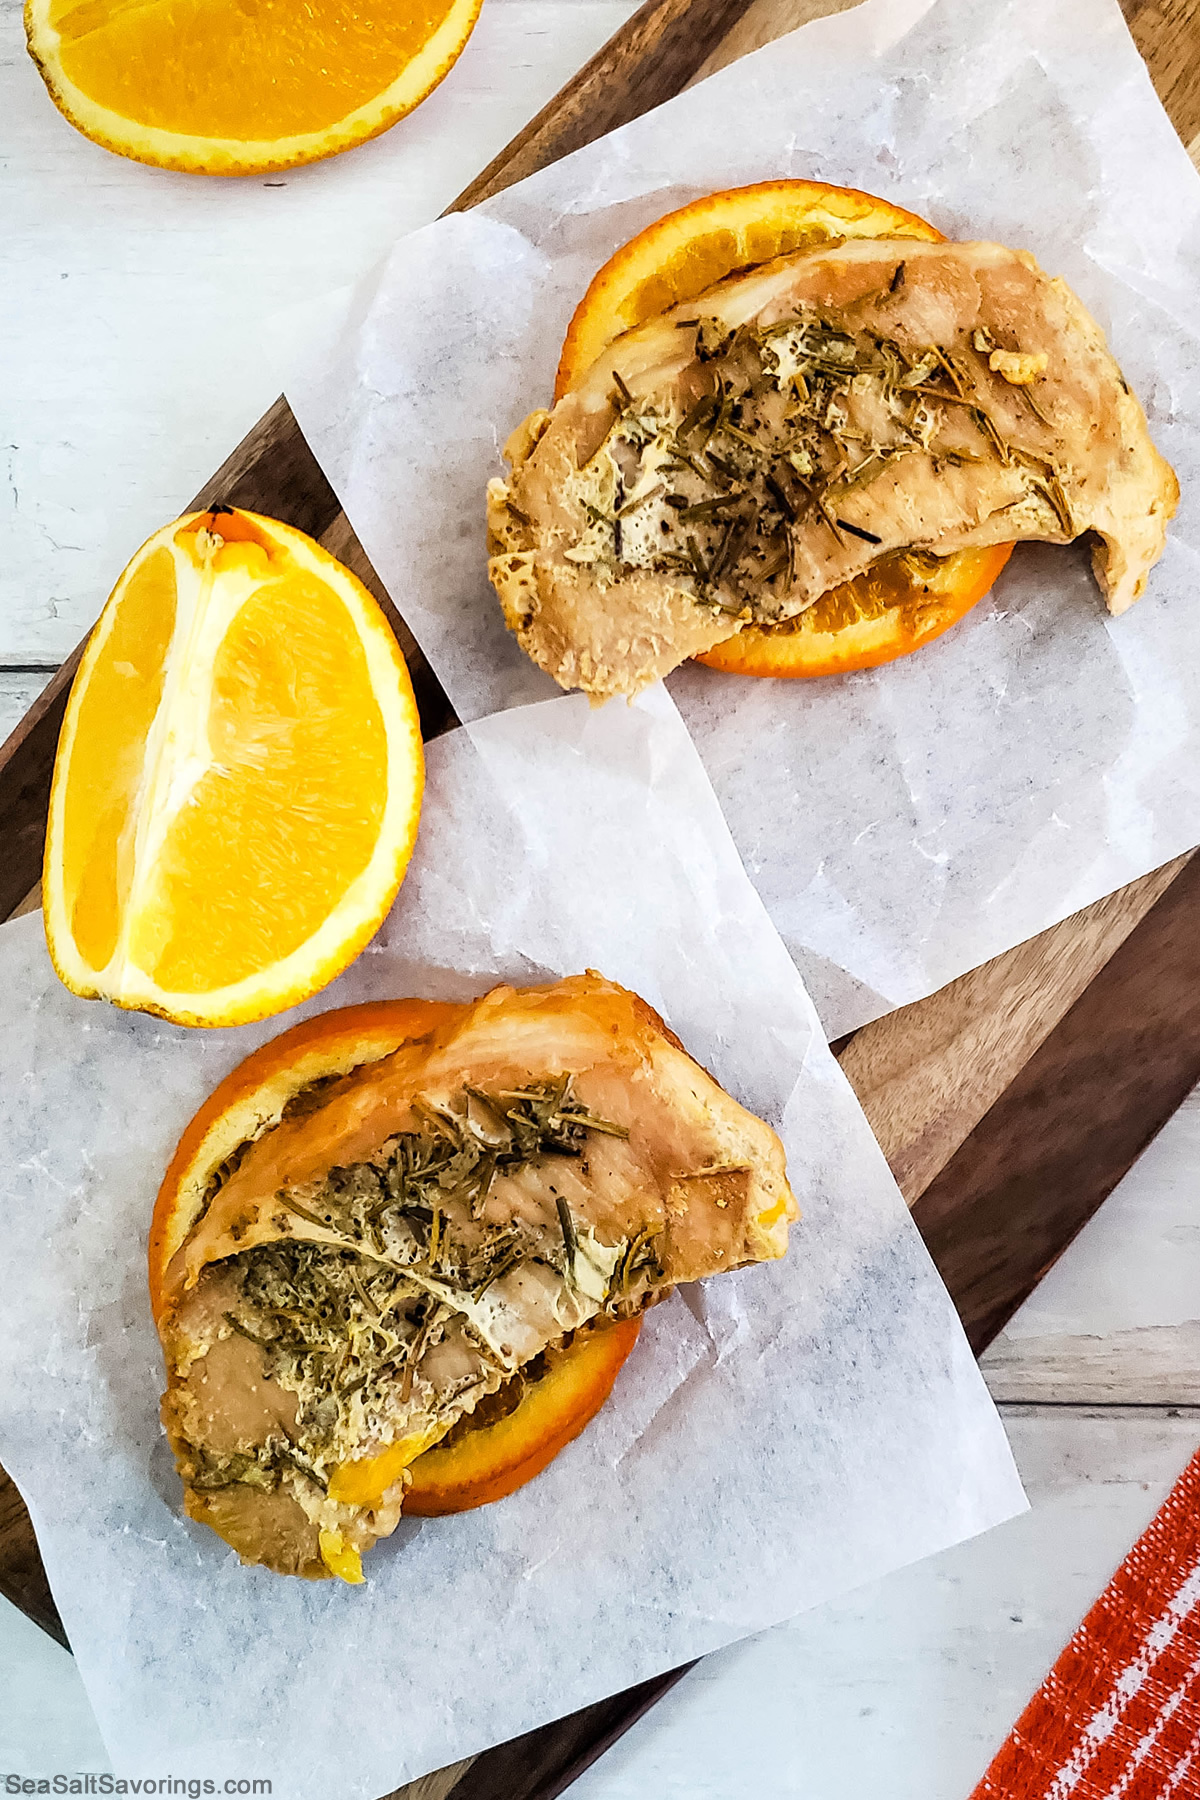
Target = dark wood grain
(1165,31)
(1072,1122)
(651,59)
(926,1075)
(22,1576)
(26,768)
(548,1760)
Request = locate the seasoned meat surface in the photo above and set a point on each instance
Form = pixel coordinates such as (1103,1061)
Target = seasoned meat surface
(734,459)
(374,1266)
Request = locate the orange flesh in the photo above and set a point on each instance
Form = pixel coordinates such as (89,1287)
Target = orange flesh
(882,614)
(308,764)
(238,780)
(251,72)
(494,1460)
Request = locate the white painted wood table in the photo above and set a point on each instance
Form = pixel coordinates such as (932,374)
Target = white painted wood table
(132,356)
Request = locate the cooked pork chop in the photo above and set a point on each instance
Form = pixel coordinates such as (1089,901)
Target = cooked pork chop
(732,460)
(370,1269)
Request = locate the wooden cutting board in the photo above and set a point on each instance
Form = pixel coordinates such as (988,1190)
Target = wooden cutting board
(1009,1104)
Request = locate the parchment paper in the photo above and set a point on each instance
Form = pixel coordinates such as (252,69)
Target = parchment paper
(779,1435)
(904,824)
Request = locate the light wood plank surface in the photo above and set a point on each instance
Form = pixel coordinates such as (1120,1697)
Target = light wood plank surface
(904,1690)
(19,688)
(138,343)
(1155,1365)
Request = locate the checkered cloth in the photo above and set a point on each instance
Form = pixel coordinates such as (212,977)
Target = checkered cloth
(1118,1716)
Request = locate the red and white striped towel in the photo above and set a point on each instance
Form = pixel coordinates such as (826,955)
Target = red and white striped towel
(1118,1716)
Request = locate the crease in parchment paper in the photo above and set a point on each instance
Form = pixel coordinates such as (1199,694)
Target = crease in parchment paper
(901,824)
(791,1431)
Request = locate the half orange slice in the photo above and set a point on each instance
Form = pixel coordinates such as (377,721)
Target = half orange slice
(900,604)
(222,87)
(238,780)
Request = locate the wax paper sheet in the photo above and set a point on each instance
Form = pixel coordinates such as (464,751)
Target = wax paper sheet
(903,824)
(777,1436)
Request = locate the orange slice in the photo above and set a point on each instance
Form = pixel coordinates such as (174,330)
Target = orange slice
(680,255)
(894,608)
(485,1456)
(890,611)
(238,779)
(477,1463)
(222,87)
(254,1096)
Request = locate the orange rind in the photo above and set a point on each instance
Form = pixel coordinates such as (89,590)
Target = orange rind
(891,611)
(480,1462)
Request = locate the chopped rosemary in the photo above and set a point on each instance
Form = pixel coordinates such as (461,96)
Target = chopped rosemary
(570,1241)
(730,469)
(302,1212)
(868,537)
(777,493)
(704,509)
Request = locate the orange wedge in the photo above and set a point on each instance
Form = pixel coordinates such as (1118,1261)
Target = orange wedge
(222,87)
(238,780)
(900,604)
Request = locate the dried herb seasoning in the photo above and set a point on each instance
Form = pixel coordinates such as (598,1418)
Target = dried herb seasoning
(346,1323)
(767,450)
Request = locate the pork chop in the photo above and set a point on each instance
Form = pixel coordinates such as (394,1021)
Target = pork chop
(732,460)
(372,1267)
